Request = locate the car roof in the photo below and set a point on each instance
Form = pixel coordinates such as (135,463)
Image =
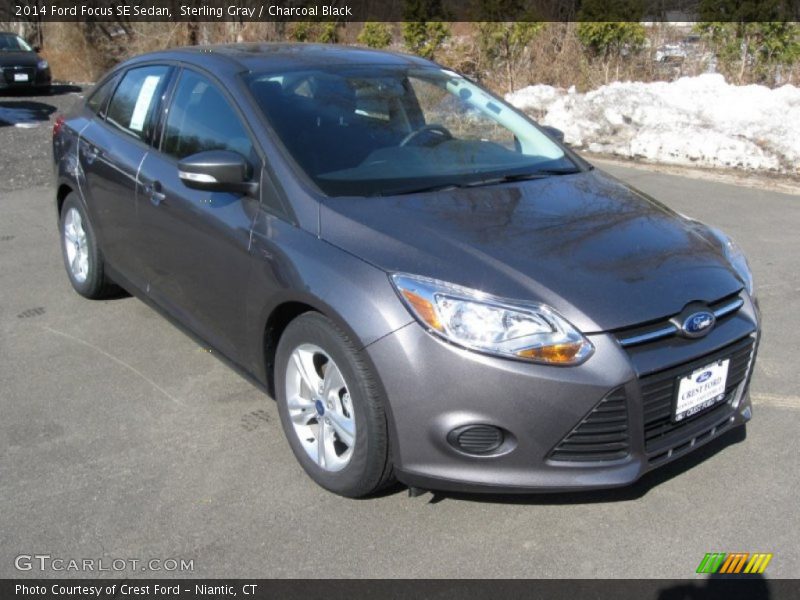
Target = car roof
(281,56)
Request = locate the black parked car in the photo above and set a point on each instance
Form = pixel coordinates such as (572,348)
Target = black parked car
(431,286)
(21,66)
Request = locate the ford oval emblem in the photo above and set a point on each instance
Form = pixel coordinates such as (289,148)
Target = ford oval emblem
(698,324)
(703,377)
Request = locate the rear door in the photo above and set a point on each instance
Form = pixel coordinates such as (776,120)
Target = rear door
(111,150)
(198,260)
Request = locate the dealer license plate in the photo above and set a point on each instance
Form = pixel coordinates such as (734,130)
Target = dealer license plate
(20,77)
(702,389)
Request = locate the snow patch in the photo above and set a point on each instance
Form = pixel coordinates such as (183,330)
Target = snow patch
(699,121)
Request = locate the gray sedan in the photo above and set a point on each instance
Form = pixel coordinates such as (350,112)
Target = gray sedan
(432,286)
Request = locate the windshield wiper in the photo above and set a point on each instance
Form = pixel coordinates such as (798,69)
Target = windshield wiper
(438,187)
(541,174)
(426,188)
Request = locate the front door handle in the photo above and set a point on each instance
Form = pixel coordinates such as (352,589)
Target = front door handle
(155,193)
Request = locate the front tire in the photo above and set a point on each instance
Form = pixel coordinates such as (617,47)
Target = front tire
(331,408)
(82,257)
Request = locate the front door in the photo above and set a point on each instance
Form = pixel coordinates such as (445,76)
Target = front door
(198,260)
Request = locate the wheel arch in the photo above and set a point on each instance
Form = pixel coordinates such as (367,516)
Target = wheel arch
(276,323)
(279,317)
(64,190)
(283,313)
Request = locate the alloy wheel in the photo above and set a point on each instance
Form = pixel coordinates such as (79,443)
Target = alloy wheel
(76,245)
(320,407)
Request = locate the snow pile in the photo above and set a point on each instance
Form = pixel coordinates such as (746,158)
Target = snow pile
(692,121)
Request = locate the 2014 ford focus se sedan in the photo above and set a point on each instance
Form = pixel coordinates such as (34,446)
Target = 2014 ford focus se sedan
(432,286)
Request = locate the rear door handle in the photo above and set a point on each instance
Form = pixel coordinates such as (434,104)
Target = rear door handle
(91,152)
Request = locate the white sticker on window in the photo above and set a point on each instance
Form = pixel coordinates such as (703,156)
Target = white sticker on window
(143,102)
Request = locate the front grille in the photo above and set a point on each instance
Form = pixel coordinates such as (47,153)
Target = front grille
(662,328)
(658,392)
(602,434)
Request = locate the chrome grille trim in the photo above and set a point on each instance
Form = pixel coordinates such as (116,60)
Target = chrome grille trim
(667,328)
(649,336)
(728,308)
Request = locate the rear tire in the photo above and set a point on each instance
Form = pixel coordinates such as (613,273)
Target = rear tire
(345,408)
(83,259)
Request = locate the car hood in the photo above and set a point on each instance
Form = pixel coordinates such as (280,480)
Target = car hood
(603,254)
(18,59)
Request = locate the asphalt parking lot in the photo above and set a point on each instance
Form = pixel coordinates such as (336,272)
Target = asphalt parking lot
(122,438)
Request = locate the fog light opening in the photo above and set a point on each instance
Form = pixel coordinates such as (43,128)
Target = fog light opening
(477,440)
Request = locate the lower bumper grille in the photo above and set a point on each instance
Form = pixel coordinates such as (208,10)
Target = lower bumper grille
(713,423)
(658,392)
(602,434)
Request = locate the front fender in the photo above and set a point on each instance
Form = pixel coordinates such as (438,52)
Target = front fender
(291,265)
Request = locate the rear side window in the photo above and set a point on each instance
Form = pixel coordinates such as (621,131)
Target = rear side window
(97,101)
(201,118)
(132,108)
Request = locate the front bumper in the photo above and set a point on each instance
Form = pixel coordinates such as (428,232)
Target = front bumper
(435,388)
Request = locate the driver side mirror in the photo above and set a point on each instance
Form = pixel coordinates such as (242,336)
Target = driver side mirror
(37,49)
(217,171)
(554,133)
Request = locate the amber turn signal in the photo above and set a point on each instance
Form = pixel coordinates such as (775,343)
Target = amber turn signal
(424,309)
(555,354)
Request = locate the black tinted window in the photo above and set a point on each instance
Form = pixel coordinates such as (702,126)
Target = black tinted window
(99,96)
(14,43)
(201,119)
(132,108)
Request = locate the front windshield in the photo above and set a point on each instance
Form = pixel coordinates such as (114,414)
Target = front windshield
(14,43)
(361,131)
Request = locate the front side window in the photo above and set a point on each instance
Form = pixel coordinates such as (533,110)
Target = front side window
(14,43)
(395,129)
(200,119)
(133,106)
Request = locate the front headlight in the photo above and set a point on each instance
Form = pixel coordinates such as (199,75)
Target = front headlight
(42,65)
(482,322)
(739,262)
